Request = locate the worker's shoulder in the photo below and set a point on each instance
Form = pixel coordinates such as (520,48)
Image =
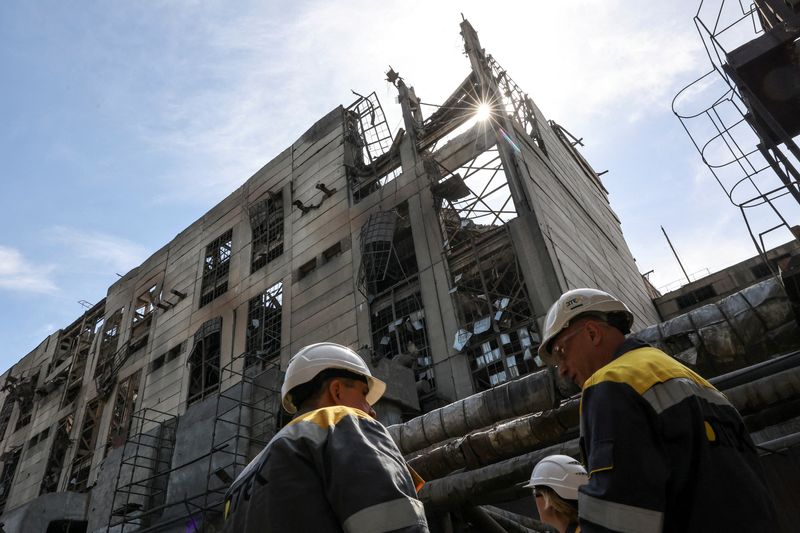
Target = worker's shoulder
(642,368)
(329,417)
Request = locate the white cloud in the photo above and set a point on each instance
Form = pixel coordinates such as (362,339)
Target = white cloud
(100,249)
(18,274)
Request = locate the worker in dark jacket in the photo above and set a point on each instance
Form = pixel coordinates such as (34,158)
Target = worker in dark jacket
(665,450)
(333,468)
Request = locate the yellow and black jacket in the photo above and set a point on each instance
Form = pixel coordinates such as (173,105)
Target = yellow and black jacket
(666,451)
(330,470)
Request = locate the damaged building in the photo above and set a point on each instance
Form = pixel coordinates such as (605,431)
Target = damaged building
(434,250)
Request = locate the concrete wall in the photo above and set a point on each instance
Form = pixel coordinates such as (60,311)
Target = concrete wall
(725,282)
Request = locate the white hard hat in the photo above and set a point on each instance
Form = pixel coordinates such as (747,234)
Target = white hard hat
(315,358)
(574,303)
(561,473)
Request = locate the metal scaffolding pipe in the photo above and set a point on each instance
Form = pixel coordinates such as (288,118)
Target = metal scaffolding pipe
(529,394)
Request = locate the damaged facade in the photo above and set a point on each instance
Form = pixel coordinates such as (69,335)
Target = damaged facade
(434,250)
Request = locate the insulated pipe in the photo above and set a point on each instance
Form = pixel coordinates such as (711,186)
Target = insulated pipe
(516,522)
(473,487)
(480,518)
(765,392)
(529,394)
(502,441)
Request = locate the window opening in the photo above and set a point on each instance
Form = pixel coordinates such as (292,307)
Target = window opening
(58,452)
(263,337)
(111,356)
(10,462)
(216,267)
(306,268)
(204,361)
(87,438)
(266,222)
(388,280)
(124,404)
(377,158)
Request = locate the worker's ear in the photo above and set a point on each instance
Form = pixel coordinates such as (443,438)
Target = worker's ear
(595,332)
(335,386)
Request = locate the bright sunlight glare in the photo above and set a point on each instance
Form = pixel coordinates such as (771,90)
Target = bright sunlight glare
(483,111)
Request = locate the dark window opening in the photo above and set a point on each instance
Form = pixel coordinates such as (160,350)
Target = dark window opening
(172,354)
(67,526)
(87,439)
(10,461)
(266,222)
(205,361)
(697,296)
(332,251)
(58,452)
(124,404)
(761,270)
(39,437)
(5,414)
(216,267)
(263,337)
(306,268)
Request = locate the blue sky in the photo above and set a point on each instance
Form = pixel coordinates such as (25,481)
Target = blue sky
(123,122)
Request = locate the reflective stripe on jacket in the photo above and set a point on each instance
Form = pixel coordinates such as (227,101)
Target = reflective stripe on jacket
(330,470)
(666,451)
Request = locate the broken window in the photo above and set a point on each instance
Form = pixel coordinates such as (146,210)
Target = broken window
(24,392)
(497,331)
(143,310)
(58,452)
(91,324)
(388,278)
(5,414)
(124,404)
(266,222)
(376,155)
(216,267)
(110,359)
(263,337)
(87,438)
(204,361)
(397,322)
(10,462)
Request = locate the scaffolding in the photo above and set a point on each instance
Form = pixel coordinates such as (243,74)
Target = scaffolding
(246,417)
(142,480)
(743,136)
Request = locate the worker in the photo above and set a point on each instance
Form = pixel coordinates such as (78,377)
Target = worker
(555,481)
(664,449)
(333,467)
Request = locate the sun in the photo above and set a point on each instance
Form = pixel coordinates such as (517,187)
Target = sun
(483,112)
